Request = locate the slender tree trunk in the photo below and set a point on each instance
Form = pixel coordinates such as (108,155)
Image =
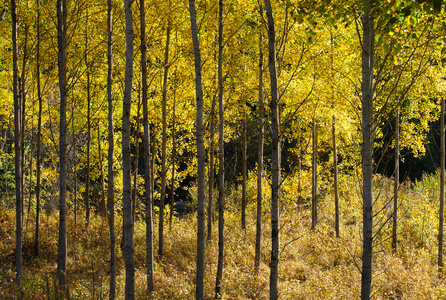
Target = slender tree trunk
(199,292)
(221,156)
(111,150)
(163,147)
(396,180)
(211,171)
(62,62)
(75,171)
(126,163)
(39,132)
(244,159)
(314,177)
(87,182)
(335,149)
(147,161)
(260,156)
(172,189)
(275,159)
(335,177)
(135,174)
(17,147)
(22,87)
(441,210)
(101,166)
(367,146)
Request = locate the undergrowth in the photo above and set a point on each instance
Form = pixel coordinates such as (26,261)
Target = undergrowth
(313,264)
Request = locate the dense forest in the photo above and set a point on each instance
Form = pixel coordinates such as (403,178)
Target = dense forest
(222,149)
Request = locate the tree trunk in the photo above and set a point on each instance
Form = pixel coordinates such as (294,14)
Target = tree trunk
(75,170)
(172,189)
(314,177)
(396,180)
(367,147)
(87,182)
(111,150)
(163,147)
(22,87)
(260,156)
(39,132)
(103,208)
(199,292)
(221,156)
(147,161)
(441,210)
(275,159)
(135,174)
(126,162)
(17,147)
(244,159)
(62,62)
(335,177)
(211,171)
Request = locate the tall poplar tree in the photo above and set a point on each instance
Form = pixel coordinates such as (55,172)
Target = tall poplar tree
(275,159)
(62,63)
(199,291)
(221,156)
(368,63)
(17,146)
(126,164)
(147,160)
(111,150)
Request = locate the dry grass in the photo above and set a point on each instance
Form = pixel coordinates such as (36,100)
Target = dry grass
(314,264)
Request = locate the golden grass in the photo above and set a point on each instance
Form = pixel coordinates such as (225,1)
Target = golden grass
(313,265)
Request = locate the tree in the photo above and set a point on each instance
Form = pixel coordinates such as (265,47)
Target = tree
(368,62)
(147,160)
(244,170)
(199,290)
(17,145)
(260,156)
(275,159)
(62,63)
(111,150)
(164,141)
(221,157)
(87,181)
(314,176)
(126,163)
(441,210)
(39,132)
(396,178)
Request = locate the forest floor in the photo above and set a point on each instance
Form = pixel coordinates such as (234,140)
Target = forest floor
(314,264)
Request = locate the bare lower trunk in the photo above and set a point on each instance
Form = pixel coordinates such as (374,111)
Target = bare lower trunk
(441,210)
(163,147)
(221,157)
(314,178)
(199,291)
(17,147)
(39,132)
(244,158)
(147,161)
(275,159)
(87,181)
(396,180)
(367,146)
(172,187)
(211,172)
(62,62)
(126,163)
(111,150)
(335,178)
(260,157)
